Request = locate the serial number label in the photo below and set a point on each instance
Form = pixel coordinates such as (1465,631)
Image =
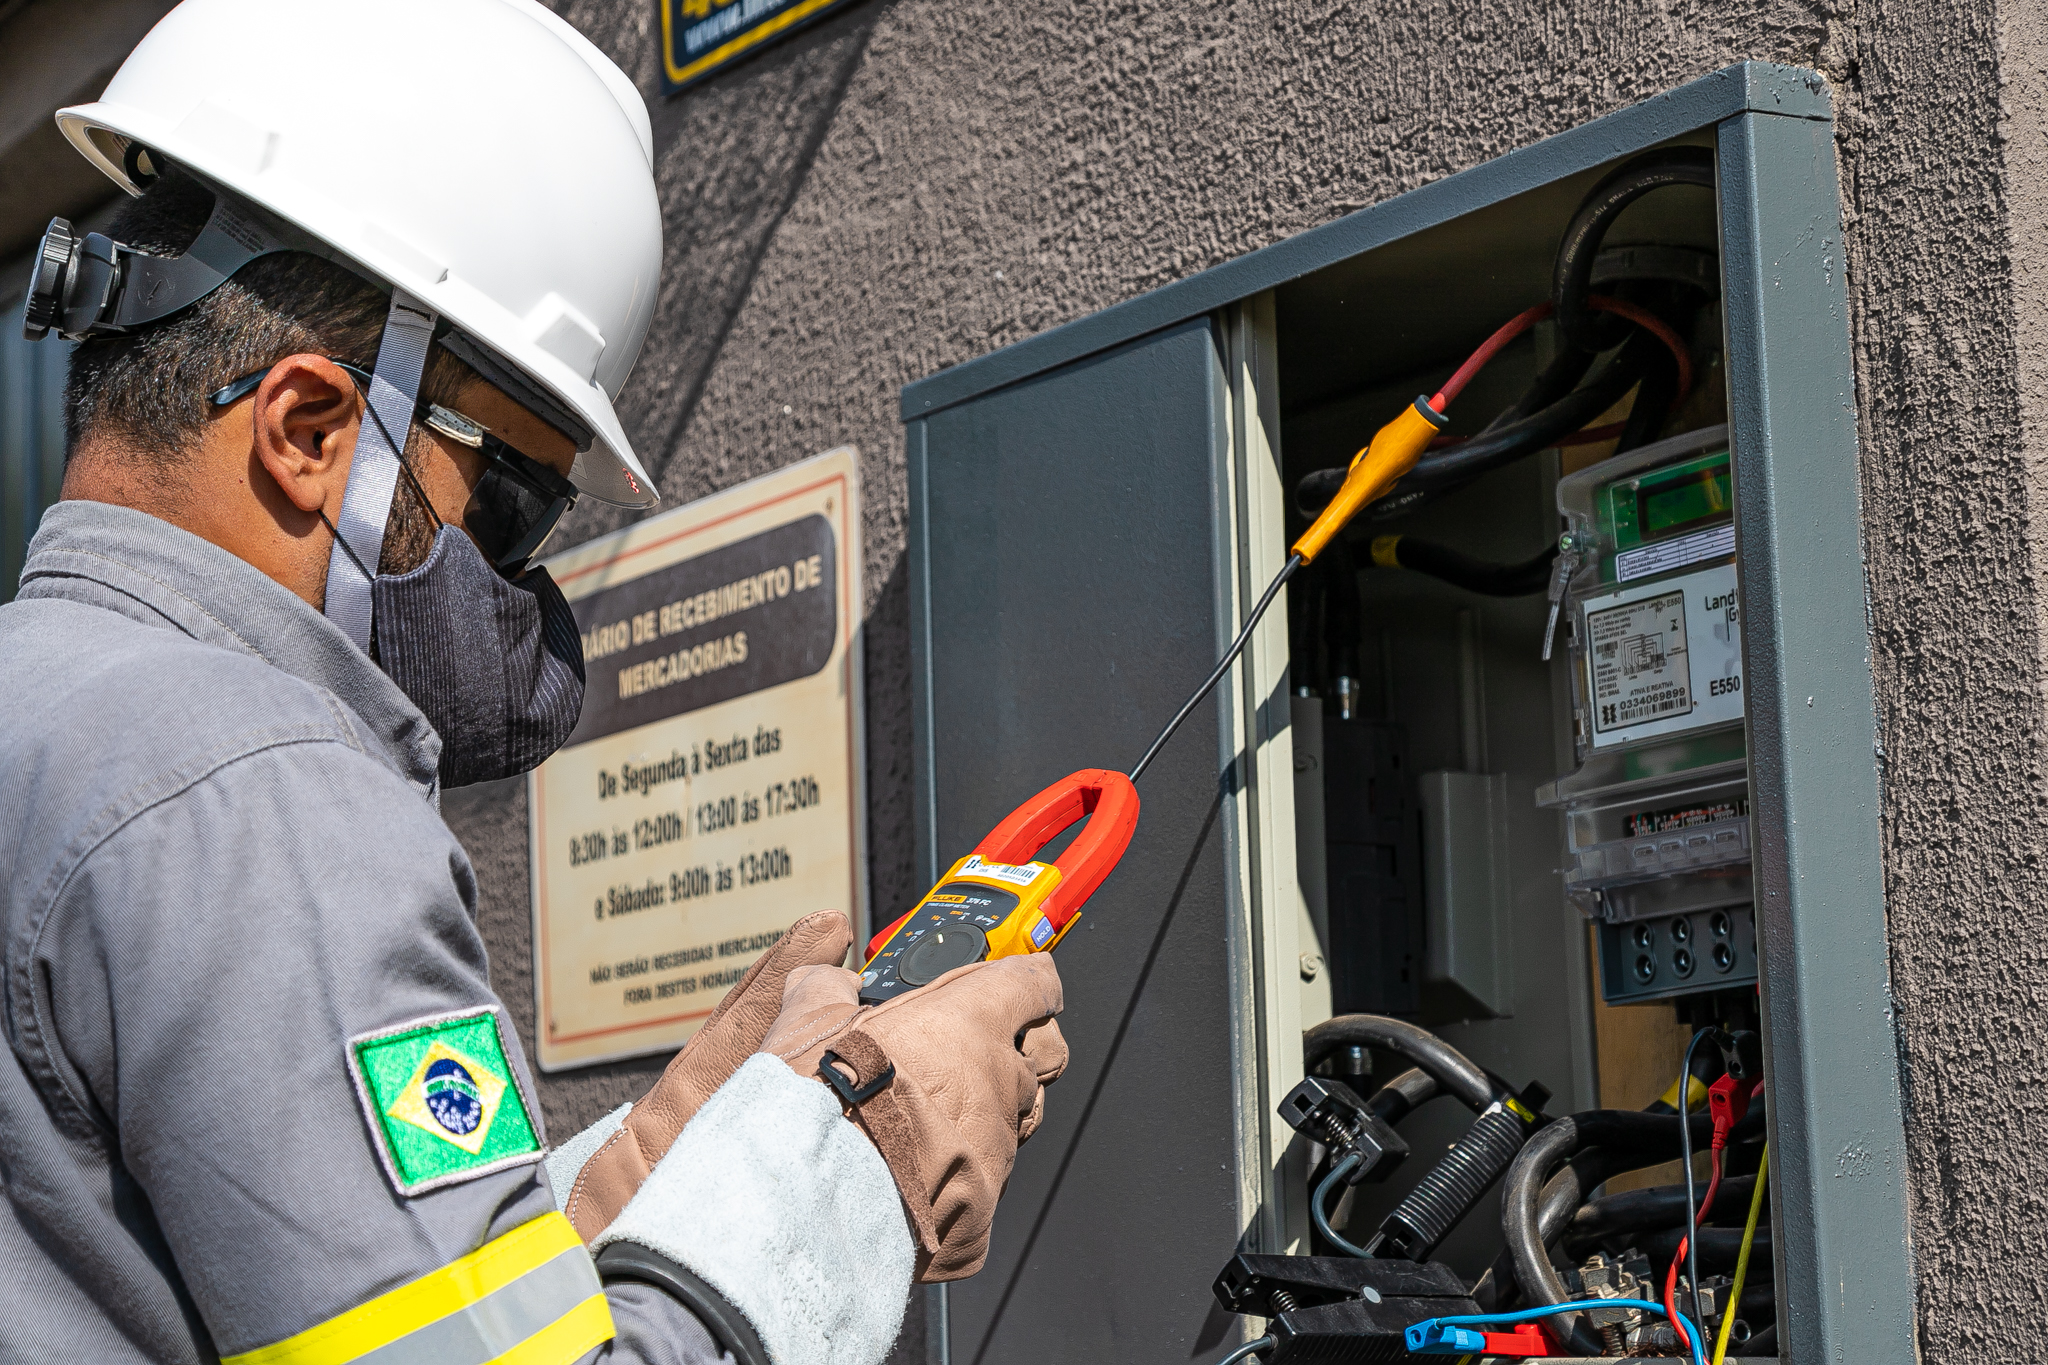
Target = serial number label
(1640,669)
(1663,657)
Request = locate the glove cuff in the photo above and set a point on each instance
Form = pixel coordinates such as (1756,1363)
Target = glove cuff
(787,1212)
(566,1161)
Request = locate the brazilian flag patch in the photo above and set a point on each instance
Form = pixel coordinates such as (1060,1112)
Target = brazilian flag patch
(441,1100)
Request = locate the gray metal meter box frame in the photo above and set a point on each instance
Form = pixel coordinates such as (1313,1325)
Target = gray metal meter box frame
(1093,509)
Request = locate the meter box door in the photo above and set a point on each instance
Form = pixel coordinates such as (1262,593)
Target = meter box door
(1075,554)
(1064,583)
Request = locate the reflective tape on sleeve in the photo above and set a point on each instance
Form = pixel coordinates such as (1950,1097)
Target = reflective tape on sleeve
(531,1297)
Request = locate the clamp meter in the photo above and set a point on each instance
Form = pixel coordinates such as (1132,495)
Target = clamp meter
(995,902)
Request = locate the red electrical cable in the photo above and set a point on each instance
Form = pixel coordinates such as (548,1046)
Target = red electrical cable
(1678,1257)
(1657,328)
(1528,318)
(1488,349)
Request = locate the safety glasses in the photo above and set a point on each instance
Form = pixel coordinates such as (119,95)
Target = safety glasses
(516,504)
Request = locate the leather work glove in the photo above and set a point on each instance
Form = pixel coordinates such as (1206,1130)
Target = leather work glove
(947,1081)
(734,1032)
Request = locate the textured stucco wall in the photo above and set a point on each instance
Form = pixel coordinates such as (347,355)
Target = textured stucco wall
(1942,167)
(917,182)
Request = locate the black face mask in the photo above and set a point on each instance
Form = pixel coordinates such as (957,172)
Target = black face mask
(496,666)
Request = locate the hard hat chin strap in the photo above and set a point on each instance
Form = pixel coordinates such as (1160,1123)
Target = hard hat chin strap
(373,472)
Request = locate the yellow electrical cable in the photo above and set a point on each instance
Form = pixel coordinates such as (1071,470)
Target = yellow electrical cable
(1756,1204)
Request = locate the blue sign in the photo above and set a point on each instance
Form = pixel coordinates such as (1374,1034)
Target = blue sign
(700,37)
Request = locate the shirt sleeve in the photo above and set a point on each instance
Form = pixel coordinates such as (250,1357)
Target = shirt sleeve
(267,992)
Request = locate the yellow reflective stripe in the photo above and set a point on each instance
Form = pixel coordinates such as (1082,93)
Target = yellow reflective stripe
(565,1339)
(428,1299)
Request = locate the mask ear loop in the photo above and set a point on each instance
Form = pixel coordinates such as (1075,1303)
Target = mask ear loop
(374,472)
(413,481)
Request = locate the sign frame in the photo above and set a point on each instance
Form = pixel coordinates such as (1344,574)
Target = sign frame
(735,40)
(836,470)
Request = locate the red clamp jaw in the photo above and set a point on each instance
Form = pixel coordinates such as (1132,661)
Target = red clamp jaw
(997,901)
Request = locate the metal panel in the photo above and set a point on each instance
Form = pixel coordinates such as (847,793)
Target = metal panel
(1838,1153)
(1067,595)
(1764,86)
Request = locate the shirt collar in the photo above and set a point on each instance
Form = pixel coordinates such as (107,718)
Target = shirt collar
(159,574)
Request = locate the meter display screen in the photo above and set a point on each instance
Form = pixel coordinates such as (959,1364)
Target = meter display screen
(1680,504)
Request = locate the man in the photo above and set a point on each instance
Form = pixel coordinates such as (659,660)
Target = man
(343,364)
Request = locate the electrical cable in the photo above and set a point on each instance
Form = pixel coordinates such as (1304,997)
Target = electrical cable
(1403,1095)
(1692,1217)
(1236,646)
(1316,1206)
(1577,249)
(1629,1138)
(1417,1334)
(1248,1350)
(1688,1245)
(1461,570)
(1529,317)
(1756,1203)
(1456,1073)
(1641,1210)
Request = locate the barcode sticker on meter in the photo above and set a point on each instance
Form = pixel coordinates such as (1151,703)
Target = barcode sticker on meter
(1664,657)
(1640,669)
(1021,874)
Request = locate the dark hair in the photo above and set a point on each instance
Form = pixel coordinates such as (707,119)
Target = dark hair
(150,387)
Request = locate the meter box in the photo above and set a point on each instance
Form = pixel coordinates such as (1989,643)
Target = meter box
(1657,812)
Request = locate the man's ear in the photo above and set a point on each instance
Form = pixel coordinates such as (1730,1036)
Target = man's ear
(304,422)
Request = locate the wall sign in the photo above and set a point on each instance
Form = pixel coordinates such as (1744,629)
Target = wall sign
(699,37)
(713,792)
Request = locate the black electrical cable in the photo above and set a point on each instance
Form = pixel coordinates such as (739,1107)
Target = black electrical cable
(1247,1351)
(1630,1138)
(1459,464)
(1718,1247)
(1562,1195)
(1653,1209)
(1540,1282)
(1458,1074)
(1318,1207)
(1460,570)
(1456,466)
(1403,1095)
(1236,646)
(1572,274)
(1692,1218)
(1552,406)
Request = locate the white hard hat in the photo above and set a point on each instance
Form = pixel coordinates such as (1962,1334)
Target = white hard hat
(478,155)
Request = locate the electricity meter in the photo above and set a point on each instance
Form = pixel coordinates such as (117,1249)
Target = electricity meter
(1657,812)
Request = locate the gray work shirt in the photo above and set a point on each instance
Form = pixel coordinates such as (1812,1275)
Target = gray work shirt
(220,859)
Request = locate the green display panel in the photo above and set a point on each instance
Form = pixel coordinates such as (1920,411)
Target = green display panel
(1668,502)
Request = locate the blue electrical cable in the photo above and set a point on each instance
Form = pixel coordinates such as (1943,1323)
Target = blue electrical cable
(1315,1204)
(1442,1336)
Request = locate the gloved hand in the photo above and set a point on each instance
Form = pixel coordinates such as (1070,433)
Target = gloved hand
(947,1081)
(734,1032)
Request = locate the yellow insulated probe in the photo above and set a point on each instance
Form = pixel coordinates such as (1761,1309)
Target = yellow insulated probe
(1374,471)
